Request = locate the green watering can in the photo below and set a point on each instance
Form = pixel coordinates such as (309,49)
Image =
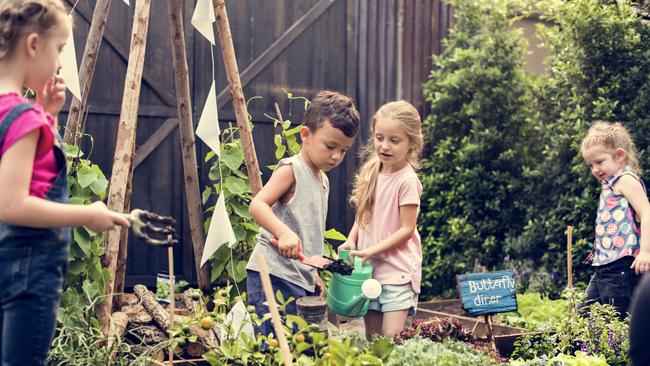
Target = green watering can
(349,295)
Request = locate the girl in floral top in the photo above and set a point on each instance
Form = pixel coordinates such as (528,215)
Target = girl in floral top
(622,243)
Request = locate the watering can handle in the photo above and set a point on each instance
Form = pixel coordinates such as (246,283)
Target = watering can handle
(358,263)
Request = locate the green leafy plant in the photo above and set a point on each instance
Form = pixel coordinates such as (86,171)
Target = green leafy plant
(534,311)
(420,351)
(599,332)
(85,279)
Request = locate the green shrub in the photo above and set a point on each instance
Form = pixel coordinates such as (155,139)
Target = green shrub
(478,142)
(599,69)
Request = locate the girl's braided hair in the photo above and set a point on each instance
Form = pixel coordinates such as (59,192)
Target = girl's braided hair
(612,136)
(18,17)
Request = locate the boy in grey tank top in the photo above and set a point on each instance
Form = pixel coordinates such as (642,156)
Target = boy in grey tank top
(292,207)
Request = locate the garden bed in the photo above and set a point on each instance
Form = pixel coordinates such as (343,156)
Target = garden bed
(504,336)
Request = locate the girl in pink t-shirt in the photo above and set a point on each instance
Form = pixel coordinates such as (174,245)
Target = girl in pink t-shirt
(387,198)
(35,217)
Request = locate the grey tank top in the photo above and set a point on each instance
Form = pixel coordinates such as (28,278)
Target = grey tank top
(305,214)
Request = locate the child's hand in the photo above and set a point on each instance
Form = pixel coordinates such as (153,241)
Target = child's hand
(641,263)
(320,286)
(52,97)
(100,218)
(347,245)
(363,254)
(288,244)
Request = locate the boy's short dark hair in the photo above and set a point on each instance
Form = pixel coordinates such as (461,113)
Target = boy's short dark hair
(336,108)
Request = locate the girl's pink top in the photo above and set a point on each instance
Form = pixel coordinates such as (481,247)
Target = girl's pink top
(402,264)
(45,167)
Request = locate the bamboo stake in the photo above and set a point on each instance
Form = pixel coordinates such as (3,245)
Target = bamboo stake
(238,101)
(86,71)
(123,159)
(188,145)
(569,266)
(273,309)
(172,298)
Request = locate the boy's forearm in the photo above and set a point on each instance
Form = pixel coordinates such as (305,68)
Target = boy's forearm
(39,213)
(264,216)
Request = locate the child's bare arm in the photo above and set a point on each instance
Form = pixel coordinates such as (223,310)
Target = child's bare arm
(17,207)
(636,196)
(351,242)
(278,185)
(408,215)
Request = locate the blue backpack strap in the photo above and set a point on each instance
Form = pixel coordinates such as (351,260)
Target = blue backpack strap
(14,113)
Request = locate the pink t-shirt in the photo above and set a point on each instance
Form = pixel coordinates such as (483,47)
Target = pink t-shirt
(402,264)
(45,167)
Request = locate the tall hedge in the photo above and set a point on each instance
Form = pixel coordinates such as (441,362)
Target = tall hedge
(477,145)
(599,68)
(503,176)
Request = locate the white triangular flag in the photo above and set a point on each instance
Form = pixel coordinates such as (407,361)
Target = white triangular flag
(240,320)
(220,230)
(127,2)
(208,128)
(69,70)
(203,18)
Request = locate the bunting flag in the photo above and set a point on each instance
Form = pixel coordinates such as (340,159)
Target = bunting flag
(69,70)
(203,18)
(220,230)
(208,128)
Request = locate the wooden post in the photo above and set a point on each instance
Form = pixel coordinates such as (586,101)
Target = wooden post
(172,299)
(273,309)
(86,71)
(238,101)
(123,159)
(490,334)
(569,266)
(188,146)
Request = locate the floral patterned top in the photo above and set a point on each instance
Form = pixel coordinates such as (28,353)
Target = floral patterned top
(617,224)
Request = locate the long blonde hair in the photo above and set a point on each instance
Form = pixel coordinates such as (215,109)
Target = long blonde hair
(363,193)
(612,136)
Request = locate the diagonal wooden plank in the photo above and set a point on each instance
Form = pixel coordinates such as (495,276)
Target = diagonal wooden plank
(274,50)
(83,9)
(154,140)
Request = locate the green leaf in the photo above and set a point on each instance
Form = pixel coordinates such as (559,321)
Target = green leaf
(236,185)
(232,157)
(333,234)
(206,194)
(218,261)
(82,239)
(280,151)
(86,176)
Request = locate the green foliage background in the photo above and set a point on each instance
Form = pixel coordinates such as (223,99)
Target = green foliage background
(503,176)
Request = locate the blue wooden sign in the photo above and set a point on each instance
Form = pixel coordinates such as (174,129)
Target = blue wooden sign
(488,292)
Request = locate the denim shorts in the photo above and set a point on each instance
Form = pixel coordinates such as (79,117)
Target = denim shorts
(395,298)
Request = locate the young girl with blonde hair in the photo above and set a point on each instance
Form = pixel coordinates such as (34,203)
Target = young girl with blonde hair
(622,236)
(35,218)
(387,198)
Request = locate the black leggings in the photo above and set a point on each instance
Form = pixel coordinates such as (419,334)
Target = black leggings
(640,324)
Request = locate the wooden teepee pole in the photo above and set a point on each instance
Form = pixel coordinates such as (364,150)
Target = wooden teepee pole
(86,71)
(238,101)
(123,159)
(188,146)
